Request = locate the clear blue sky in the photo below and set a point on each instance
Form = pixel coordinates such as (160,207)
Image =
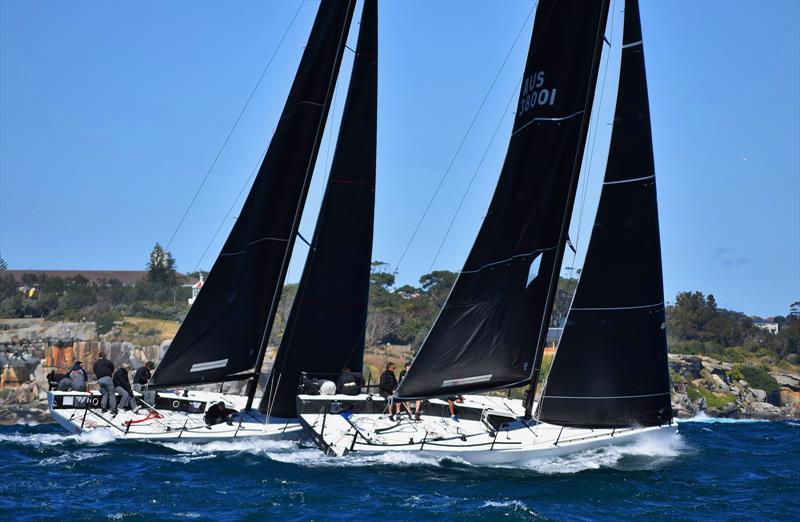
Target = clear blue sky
(112,112)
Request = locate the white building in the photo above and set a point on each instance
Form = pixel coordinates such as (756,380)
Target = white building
(770,327)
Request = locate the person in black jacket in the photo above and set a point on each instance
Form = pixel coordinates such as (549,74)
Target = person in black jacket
(122,385)
(103,369)
(142,375)
(349,382)
(219,413)
(386,387)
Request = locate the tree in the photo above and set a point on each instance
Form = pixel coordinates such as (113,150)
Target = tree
(161,267)
(3,264)
(380,275)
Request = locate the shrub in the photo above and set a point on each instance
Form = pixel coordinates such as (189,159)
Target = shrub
(103,323)
(758,377)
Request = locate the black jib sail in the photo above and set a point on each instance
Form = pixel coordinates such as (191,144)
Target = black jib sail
(488,332)
(227,326)
(325,330)
(610,368)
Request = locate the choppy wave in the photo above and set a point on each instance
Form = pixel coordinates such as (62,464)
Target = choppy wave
(705,419)
(648,451)
(509,506)
(291,452)
(265,479)
(94,437)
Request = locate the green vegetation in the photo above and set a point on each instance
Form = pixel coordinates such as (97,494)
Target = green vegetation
(695,325)
(757,377)
(78,299)
(104,322)
(713,400)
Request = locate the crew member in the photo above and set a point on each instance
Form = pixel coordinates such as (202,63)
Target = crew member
(218,413)
(349,382)
(386,387)
(78,376)
(451,404)
(417,404)
(142,375)
(122,385)
(103,370)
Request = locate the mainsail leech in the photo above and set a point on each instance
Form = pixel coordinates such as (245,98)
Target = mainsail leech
(233,314)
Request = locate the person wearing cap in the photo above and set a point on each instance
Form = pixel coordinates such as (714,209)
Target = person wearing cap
(122,385)
(78,376)
(103,370)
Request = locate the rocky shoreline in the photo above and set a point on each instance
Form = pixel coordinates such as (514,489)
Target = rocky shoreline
(31,348)
(704,385)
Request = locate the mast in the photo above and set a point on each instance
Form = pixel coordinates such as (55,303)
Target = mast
(326,326)
(226,329)
(611,366)
(487,333)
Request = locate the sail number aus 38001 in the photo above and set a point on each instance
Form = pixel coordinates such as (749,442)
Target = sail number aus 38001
(533,94)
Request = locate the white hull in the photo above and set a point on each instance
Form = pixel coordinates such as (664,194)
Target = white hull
(484,434)
(177,417)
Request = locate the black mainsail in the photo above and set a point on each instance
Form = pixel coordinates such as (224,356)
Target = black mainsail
(488,333)
(610,368)
(227,327)
(326,326)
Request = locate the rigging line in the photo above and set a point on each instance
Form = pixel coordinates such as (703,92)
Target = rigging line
(235,124)
(463,139)
(475,174)
(233,205)
(591,150)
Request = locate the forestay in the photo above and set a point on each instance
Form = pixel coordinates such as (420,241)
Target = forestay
(226,328)
(610,368)
(487,333)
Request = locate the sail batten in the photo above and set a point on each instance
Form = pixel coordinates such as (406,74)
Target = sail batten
(326,326)
(490,323)
(610,368)
(232,315)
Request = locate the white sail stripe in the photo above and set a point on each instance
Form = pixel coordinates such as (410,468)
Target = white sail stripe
(546,119)
(466,380)
(619,307)
(209,365)
(609,397)
(628,180)
(506,260)
(632,44)
(251,243)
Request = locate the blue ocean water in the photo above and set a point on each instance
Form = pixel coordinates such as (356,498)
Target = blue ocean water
(711,470)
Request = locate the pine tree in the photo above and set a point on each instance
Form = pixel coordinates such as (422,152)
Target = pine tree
(161,267)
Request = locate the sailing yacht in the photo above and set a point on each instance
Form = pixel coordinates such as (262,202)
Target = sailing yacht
(224,337)
(609,382)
